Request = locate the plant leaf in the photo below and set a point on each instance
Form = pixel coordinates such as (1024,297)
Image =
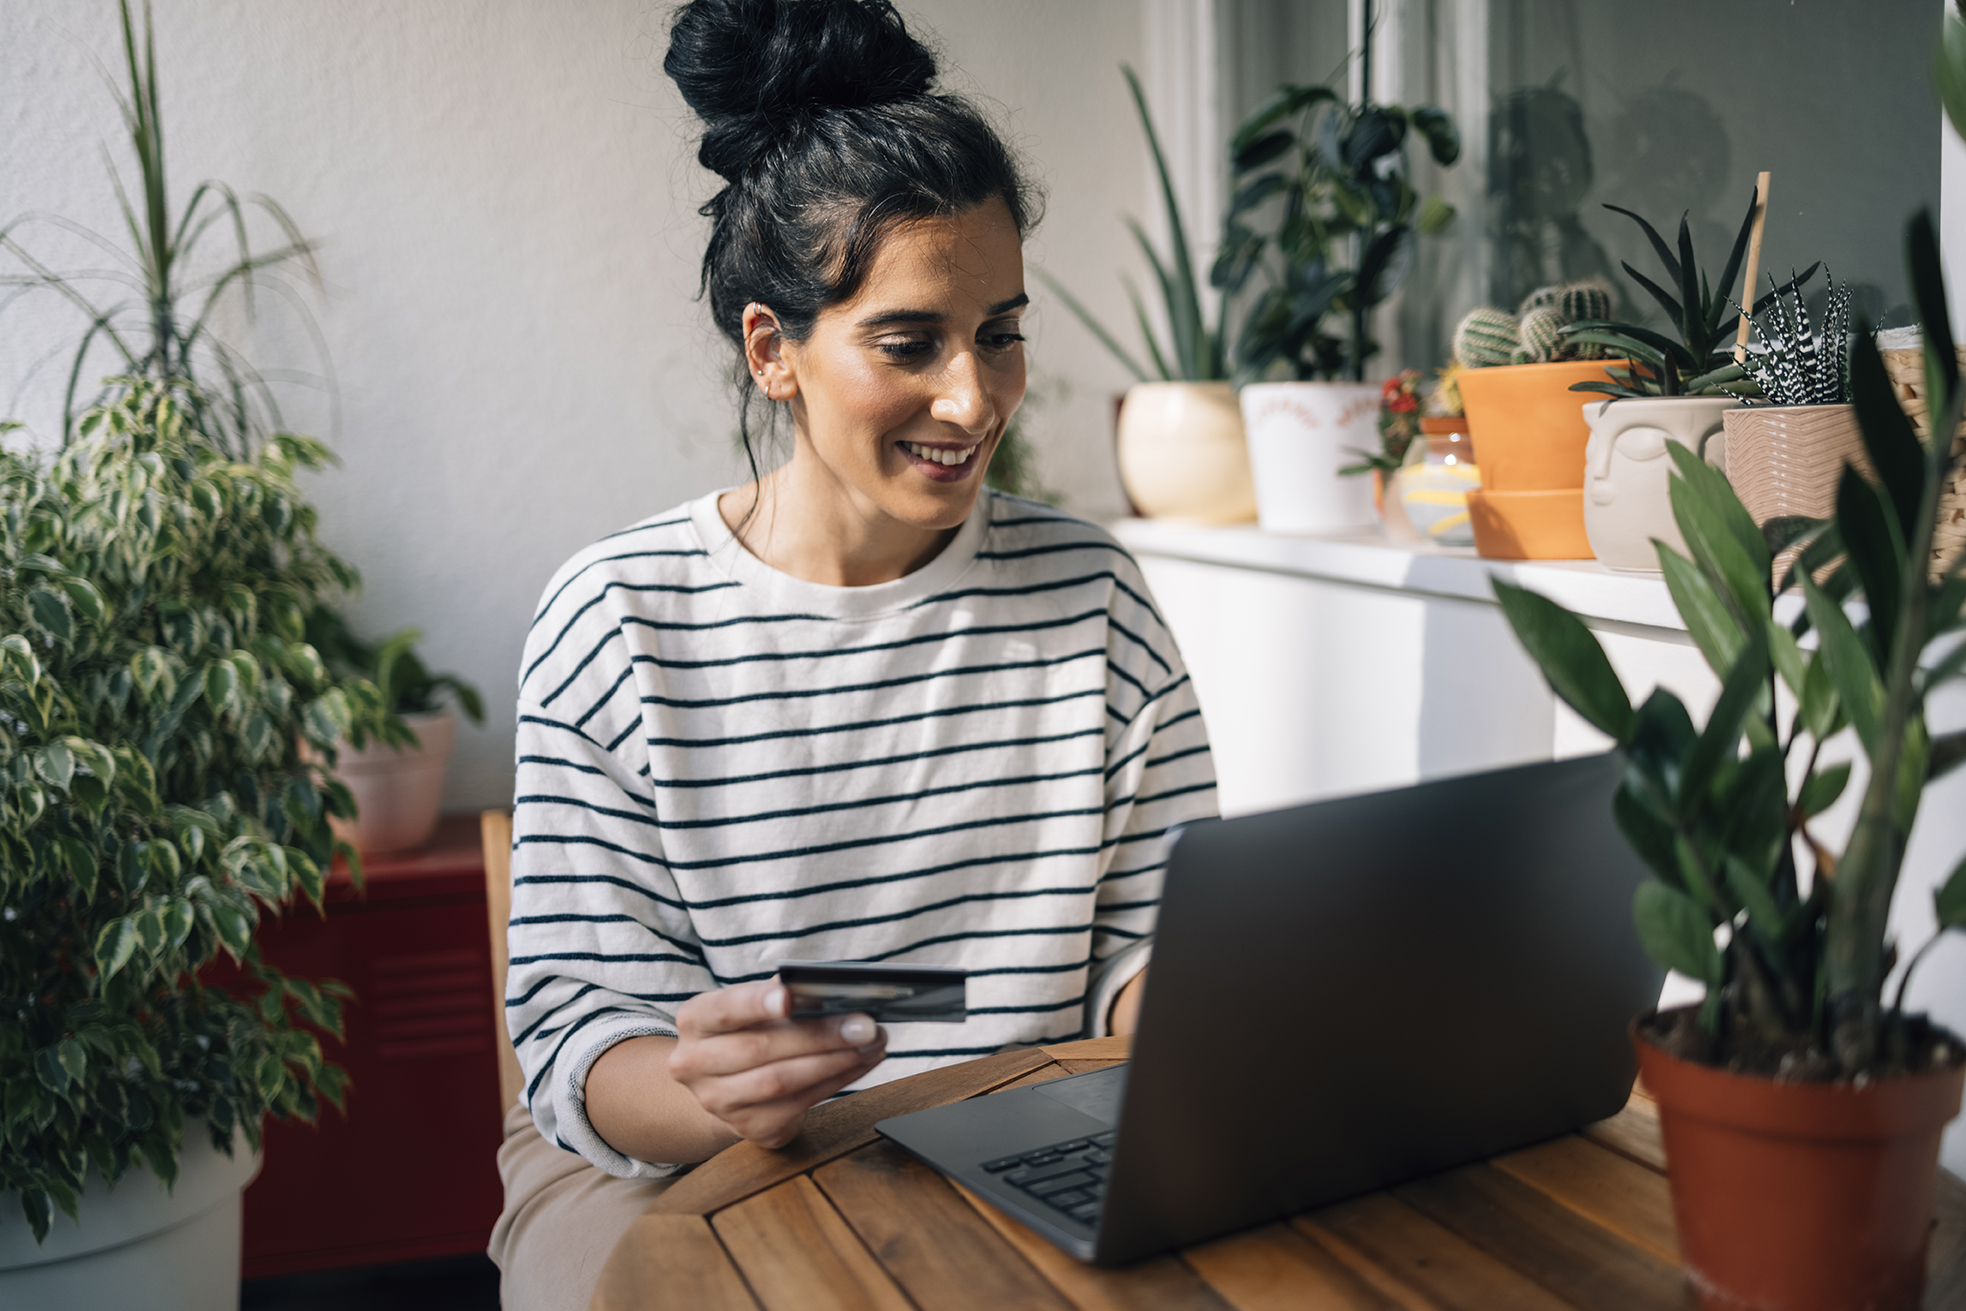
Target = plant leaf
(1713,627)
(1570,657)
(1888,437)
(1821,789)
(1949,901)
(1675,933)
(1847,661)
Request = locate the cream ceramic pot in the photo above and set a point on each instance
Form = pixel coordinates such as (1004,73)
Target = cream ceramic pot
(1300,435)
(1182,454)
(1627,473)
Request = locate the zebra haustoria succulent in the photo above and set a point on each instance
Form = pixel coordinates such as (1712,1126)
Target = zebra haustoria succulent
(1795,364)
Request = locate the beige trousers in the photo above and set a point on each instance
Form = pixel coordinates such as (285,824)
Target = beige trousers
(562,1219)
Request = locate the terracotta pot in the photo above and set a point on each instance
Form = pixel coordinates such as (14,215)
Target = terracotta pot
(1529,428)
(1800,1196)
(1527,423)
(1529,525)
(1300,435)
(398,790)
(1627,474)
(1182,453)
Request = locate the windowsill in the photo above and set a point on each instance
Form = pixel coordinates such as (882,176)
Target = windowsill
(1367,558)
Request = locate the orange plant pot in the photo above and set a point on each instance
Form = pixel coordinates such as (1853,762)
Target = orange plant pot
(1530,431)
(1800,1196)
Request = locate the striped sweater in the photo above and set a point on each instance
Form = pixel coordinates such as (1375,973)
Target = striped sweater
(721,767)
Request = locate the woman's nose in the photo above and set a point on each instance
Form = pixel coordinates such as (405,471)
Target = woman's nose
(964,401)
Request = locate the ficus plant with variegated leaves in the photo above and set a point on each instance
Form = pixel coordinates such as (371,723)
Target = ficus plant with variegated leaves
(1790,937)
(156,690)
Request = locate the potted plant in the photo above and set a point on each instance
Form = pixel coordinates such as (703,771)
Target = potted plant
(1398,426)
(1435,483)
(155,683)
(1340,218)
(397,780)
(1514,377)
(1181,448)
(1671,390)
(1785,451)
(1801,1107)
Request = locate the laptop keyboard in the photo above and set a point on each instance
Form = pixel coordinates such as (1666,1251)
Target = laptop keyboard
(1068,1176)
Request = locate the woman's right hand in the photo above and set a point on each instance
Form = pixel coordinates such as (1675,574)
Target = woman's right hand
(757,1070)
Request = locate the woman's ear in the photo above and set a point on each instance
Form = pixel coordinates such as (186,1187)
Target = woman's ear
(764,354)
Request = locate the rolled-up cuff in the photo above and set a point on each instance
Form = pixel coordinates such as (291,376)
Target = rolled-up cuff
(1109,976)
(569,1126)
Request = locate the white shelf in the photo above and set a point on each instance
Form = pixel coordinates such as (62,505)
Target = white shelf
(1367,558)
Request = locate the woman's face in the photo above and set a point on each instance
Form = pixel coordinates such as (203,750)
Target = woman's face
(901,394)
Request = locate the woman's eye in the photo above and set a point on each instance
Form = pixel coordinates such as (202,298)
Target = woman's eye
(904,349)
(1002,341)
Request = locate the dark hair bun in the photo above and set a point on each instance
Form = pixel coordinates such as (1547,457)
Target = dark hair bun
(748,66)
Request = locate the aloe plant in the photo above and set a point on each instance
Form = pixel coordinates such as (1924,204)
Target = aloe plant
(1794,966)
(1194,350)
(1703,313)
(164,331)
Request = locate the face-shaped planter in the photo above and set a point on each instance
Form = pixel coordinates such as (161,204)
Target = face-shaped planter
(1627,472)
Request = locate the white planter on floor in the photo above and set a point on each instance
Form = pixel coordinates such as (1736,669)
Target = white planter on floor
(1300,435)
(398,790)
(1627,473)
(137,1244)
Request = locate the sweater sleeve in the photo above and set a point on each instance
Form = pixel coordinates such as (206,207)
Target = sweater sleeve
(602,947)
(1159,776)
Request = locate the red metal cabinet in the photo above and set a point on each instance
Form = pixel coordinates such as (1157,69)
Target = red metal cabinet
(411,1172)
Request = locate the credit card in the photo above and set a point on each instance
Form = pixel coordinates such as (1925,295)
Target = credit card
(891,994)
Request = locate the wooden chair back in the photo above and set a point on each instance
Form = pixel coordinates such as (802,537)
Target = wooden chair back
(496,828)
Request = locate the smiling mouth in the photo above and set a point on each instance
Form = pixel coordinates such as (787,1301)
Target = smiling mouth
(943,455)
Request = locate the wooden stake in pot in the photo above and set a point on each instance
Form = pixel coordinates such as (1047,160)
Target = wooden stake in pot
(1754,266)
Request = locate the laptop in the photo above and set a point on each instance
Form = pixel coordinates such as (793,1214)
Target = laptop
(1344,996)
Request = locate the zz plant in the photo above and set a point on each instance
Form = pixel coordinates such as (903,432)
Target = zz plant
(155,688)
(1795,966)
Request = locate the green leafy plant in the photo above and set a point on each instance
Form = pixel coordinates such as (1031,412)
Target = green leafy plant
(165,330)
(156,689)
(405,683)
(1334,176)
(1795,968)
(1194,350)
(155,686)
(1701,312)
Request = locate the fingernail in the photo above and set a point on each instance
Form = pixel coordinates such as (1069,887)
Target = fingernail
(777,1003)
(857,1029)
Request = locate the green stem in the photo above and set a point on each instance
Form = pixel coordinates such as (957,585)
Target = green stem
(1867,876)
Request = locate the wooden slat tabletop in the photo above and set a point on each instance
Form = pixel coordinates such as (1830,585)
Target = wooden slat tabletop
(843,1219)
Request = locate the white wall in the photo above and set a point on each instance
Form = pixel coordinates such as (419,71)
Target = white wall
(505,193)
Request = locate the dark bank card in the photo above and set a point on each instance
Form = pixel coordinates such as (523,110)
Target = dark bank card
(891,994)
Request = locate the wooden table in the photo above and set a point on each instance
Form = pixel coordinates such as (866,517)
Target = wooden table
(842,1219)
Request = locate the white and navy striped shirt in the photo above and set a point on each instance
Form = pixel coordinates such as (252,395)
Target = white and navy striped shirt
(721,767)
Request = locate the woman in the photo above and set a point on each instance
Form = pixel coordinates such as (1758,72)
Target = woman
(857,709)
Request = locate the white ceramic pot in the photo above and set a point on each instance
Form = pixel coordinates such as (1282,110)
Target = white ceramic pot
(137,1244)
(1182,455)
(1300,435)
(1627,474)
(398,790)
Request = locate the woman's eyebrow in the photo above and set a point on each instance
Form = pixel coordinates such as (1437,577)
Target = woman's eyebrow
(887,317)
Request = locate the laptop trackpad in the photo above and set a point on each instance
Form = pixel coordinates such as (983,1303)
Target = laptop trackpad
(1098,1094)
